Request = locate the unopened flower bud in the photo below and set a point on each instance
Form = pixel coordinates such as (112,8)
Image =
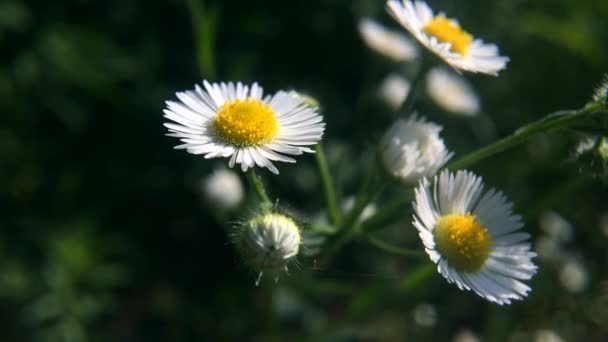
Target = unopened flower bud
(223,189)
(412,149)
(269,241)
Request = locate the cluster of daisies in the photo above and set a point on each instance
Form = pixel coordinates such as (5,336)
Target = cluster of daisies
(470,232)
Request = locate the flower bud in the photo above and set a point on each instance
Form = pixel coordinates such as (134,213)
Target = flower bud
(601,93)
(223,189)
(269,241)
(452,92)
(592,156)
(412,150)
(393,90)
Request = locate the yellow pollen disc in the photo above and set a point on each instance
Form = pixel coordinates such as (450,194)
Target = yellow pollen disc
(247,122)
(462,241)
(446,31)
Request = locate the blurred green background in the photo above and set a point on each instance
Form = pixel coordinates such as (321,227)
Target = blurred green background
(104,235)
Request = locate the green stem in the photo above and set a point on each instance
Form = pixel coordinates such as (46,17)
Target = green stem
(388,213)
(393,249)
(351,229)
(204,23)
(328,186)
(410,100)
(363,198)
(554,121)
(260,191)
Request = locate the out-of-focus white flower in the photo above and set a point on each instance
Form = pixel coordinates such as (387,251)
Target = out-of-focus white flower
(223,189)
(548,248)
(604,224)
(574,276)
(391,44)
(452,92)
(556,226)
(412,149)
(445,38)
(466,335)
(228,120)
(349,203)
(473,236)
(269,241)
(425,315)
(394,90)
(546,335)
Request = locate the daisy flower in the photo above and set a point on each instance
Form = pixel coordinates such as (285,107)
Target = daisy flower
(233,121)
(452,92)
(391,44)
(412,149)
(474,237)
(445,38)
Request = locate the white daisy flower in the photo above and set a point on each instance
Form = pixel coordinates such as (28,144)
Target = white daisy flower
(452,92)
(223,189)
(391,44)
(233,120)
(394,90)
(269,241)
(412,149)
(474,237)
(445,38)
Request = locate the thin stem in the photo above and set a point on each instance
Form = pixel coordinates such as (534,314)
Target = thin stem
(554,121)
(260,191)
(393,249)
(363,198)
(410,100)
(204,23)
(351,228)
(328,186)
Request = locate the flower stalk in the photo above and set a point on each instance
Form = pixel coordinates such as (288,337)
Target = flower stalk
(552,122)
(328,186)
(260,191)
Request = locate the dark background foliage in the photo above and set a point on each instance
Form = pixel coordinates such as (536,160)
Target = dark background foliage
(103,233)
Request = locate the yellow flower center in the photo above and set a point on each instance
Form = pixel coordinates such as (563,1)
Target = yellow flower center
(462,241)
(447,31)
(247,122)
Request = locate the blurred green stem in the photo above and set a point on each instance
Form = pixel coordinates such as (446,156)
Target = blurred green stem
(370,189)
(388,212)
(363,198)
(410,100)
(204,23)
(260,191)
(554,121)
(393,249)
(328,186)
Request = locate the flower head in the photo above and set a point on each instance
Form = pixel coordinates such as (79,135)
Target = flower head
(269,241)
(394,90)
(473,236)
(234,121)
(391,44)
(412,149)
(223,188)
(445,38)
(452,92)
